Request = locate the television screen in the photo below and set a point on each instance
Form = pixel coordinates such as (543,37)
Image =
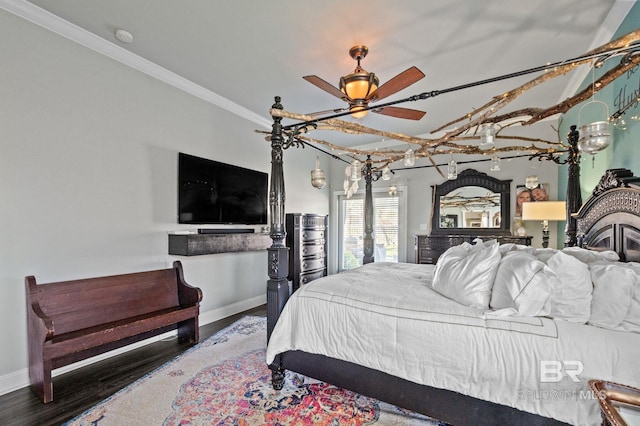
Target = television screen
(210,192)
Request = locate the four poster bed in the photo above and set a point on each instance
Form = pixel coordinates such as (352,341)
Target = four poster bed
(459,343)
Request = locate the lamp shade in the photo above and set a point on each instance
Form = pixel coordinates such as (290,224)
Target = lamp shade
(544,210)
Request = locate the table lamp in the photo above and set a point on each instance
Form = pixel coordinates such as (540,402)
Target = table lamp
(544,211)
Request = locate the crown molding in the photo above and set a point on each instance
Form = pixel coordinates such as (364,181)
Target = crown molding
(57,25)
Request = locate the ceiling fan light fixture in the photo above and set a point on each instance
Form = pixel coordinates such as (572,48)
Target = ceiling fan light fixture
(361,87)
(358,111)
(359,84)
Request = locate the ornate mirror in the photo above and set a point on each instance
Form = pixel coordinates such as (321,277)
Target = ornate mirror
(472,204)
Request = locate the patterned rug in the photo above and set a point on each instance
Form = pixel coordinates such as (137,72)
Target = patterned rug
(224,380)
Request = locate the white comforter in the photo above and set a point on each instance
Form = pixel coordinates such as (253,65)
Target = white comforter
(385,316)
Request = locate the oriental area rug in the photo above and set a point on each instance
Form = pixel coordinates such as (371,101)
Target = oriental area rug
(224,380)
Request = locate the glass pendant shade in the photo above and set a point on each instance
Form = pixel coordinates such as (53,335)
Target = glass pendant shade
(594,136)
(452,170)
(386,173)
(495,164)
(393,190)
(409,158)
(355,170)
(487,134)
(531,181)
(318,180)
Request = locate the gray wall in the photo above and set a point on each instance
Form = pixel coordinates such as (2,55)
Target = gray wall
(88,171)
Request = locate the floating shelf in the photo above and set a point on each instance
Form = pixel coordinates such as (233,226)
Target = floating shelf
(201,244)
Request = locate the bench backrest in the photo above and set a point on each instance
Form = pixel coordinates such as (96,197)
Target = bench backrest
(78,304)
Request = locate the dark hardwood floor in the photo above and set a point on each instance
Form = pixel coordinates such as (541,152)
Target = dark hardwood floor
(78,390)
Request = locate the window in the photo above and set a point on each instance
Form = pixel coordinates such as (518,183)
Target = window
(388,221)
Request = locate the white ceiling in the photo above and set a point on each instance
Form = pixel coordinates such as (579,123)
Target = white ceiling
(246,52)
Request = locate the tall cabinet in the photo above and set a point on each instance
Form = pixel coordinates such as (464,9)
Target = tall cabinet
(307,242)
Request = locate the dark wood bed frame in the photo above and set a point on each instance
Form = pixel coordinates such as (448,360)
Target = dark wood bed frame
(609,220)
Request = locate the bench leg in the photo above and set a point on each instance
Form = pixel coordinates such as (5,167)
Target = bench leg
(40,379)
(188,331)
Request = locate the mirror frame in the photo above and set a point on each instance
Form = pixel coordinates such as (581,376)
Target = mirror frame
(471,177)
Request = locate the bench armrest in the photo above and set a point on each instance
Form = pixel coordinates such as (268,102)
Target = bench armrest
(187,294)
(40,325)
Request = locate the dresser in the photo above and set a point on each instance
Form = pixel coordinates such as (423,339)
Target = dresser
(428,248)
(307,242)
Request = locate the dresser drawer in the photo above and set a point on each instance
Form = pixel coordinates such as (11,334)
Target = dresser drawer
(312,250)
(307,277)
(309,264)
(428,256)
(310,235)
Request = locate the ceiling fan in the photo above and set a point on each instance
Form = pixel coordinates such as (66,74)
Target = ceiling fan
(361,87)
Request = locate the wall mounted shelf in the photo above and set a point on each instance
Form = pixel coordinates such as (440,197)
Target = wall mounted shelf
(201,244)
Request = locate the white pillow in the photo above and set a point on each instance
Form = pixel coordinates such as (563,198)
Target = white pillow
(588,256)
(465,273)
(510,247)
(544,254)
(632,319)
(524,283)
(571,295)
(613,287)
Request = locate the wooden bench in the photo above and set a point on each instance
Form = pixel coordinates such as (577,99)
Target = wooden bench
(69,321)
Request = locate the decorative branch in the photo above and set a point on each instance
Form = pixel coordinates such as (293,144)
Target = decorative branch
(455,141)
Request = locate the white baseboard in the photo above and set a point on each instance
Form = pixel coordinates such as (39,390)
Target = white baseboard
(20,379)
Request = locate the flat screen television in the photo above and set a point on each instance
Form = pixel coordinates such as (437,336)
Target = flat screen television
(210,192)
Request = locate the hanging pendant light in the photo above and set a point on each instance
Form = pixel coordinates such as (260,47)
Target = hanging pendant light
(386,173)
(318,180)
(409,158)
(495,163)
(487,135)
(594,136)
(452,169)
(356,174)
(531,181)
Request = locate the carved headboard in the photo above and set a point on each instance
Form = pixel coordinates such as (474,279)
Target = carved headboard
(610,218)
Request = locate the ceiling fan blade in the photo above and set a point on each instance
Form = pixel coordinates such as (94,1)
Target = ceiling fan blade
(409,114)
(404,79)
(327,87)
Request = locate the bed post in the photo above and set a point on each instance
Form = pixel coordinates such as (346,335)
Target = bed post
(574,196)
(368,212)
(278,254)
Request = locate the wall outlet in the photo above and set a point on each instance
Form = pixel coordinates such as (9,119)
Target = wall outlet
(424,227)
